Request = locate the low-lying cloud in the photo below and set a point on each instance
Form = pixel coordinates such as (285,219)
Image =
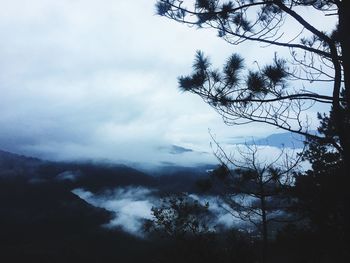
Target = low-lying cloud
(132,205)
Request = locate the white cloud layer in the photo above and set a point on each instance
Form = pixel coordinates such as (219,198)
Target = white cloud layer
(98,79)
(132,205)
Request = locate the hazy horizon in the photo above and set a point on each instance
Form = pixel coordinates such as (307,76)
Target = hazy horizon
(88,80)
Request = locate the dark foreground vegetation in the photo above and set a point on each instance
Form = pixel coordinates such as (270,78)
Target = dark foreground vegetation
(285,215)
(304,219)
(41,220)
(313,208)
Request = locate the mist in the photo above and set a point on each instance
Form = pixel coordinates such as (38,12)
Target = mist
(132,206)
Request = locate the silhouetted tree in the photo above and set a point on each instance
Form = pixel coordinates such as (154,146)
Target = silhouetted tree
(185,226)
(275,93)
(179,215)
(188,233)
(322,195)
(257,189)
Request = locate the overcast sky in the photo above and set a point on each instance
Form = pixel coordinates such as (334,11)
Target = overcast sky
(98,79)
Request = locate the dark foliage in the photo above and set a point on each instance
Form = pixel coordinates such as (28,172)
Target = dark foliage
(268,94)
(180,216)
(185,228)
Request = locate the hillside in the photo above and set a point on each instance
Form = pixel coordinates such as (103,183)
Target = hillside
(41,220)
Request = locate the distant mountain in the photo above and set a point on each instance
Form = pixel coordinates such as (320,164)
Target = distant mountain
(42,220)
(91,176)
(173,178)
(15,165)
(280,140)
(98,177)
(174,149)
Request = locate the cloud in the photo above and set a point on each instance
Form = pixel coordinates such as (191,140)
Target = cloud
(224,219)
(175,149)
(85,79)
(68,176)
(98,79)
(132,205)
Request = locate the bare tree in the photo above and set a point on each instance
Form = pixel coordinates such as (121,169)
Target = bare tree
(270,93)
(257,188)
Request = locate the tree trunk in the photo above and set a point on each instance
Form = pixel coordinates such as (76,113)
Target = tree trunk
(264,230)
(344,38)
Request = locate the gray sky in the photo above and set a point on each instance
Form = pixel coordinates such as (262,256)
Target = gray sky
(98,79)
